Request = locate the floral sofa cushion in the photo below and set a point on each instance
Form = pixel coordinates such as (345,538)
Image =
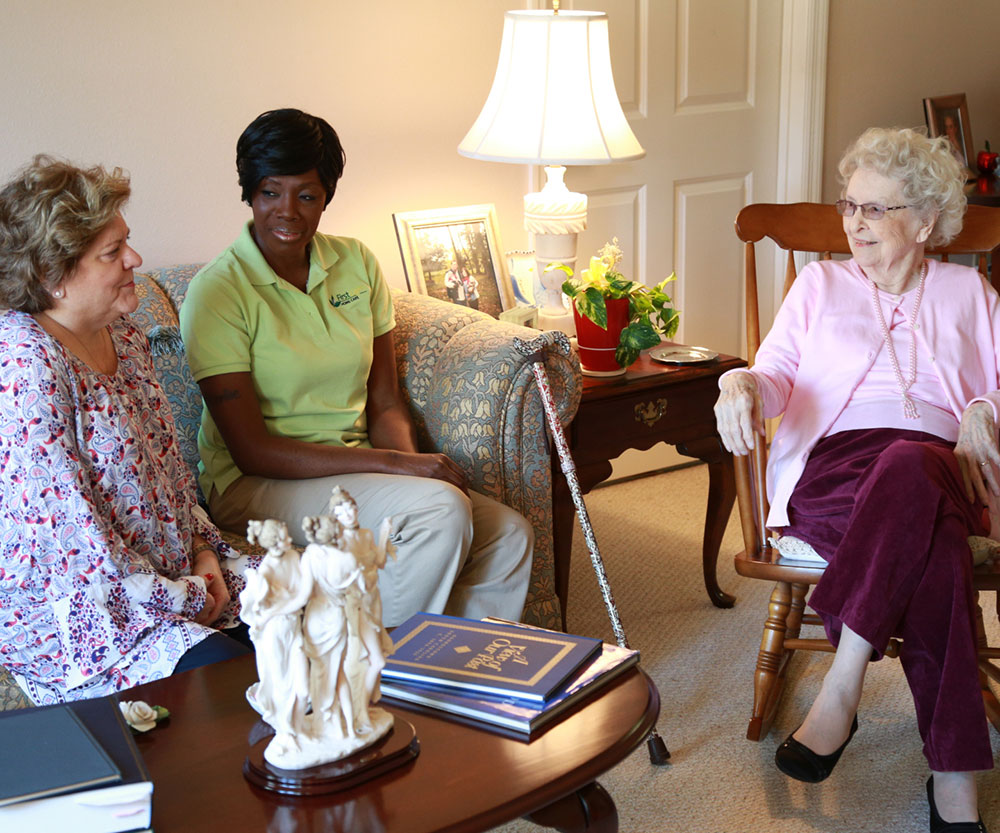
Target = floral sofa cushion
(175,378)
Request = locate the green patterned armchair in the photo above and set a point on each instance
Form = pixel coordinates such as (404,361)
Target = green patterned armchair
(471,392)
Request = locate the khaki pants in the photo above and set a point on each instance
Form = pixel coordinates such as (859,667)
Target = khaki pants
(455,554)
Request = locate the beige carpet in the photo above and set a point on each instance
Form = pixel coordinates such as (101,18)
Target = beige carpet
(702,659)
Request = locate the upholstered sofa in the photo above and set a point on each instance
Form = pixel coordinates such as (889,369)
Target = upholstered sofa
(471,392)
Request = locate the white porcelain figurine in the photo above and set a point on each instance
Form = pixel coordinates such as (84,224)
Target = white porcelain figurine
(366,606)
(271,604)
(316,623)
(326,626)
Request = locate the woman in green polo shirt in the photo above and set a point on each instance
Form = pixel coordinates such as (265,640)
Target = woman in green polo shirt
(289,334)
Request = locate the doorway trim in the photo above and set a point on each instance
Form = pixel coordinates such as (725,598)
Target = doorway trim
(801,109)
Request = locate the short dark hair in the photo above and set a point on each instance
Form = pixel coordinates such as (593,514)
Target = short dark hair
(51,213)
(285,143)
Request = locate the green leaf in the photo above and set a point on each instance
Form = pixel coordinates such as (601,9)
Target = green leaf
(669,321)
(635,338)
(591,304)
(671,277)
(642,334)
(619,286)
(625,354)
(641,306)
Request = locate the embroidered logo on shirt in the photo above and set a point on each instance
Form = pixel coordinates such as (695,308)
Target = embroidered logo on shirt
(342,298)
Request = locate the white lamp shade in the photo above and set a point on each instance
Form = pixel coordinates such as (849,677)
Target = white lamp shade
(553,100)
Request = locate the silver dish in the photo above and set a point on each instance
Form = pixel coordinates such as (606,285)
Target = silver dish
(683,354)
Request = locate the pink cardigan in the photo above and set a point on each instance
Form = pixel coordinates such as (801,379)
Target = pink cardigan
(824,340)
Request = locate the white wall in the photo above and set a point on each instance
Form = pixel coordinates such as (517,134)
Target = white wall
(886,56)
(163,89)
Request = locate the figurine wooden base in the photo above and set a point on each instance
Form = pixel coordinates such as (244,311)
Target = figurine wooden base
(397,748)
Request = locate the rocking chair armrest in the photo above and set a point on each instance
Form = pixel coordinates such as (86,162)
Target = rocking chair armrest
(751,492)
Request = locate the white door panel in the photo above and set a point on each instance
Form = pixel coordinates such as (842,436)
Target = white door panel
(699,82)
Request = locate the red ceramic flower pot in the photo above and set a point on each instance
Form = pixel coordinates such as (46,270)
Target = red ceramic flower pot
(596,345)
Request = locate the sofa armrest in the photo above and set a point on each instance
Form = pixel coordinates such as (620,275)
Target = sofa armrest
(473,397)
(469,388)
(484,410)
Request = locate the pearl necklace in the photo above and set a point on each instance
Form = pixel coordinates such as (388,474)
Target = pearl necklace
(909,408)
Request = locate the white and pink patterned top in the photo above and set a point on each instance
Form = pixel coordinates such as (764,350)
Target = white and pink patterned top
(97,516)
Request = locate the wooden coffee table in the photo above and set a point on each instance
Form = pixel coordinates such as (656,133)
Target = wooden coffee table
(464,779)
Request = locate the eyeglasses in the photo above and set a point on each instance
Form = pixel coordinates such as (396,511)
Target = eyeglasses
(869,210)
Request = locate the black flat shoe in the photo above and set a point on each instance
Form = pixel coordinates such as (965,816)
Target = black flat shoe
(798,761)
(939,825)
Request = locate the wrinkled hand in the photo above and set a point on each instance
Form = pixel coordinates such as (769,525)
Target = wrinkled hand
(437,466)
(207,566)
(978,457)
(739,413)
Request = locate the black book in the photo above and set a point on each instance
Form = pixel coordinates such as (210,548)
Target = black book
(76,767)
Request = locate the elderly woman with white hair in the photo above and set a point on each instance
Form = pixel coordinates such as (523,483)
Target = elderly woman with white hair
(886,369)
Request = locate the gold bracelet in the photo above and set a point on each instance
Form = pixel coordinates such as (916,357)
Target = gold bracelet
(205,548)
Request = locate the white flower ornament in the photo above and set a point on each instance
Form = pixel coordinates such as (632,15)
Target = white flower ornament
(140,715)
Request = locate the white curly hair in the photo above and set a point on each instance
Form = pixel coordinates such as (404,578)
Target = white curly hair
(932,178)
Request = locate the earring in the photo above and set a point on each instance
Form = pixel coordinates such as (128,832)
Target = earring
(57,293)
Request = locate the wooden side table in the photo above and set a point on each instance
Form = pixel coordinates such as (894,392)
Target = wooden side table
(652,402)
(984,190)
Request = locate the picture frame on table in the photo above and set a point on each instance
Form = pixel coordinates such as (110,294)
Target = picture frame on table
(454,254)
(948,115)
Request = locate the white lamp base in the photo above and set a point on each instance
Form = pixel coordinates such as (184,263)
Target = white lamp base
(562,321)
(561,249)
(555,215)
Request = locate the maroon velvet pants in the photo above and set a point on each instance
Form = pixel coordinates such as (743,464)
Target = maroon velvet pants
(887,509)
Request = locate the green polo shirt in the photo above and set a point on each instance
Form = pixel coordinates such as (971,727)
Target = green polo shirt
(309,353)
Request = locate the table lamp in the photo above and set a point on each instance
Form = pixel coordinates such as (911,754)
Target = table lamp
(553,103)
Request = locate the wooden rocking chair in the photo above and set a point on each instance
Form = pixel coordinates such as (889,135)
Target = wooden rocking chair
(812,227)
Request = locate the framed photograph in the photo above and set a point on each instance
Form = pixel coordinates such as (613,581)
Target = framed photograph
(948,115)
(454,254)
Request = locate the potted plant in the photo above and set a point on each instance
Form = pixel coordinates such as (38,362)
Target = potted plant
(616,318)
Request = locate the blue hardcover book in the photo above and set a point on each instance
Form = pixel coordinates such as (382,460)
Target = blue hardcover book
(56,753)
(505,660)
(79,769)
(524,719)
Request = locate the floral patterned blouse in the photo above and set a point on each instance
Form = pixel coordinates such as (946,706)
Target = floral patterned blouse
(97,517)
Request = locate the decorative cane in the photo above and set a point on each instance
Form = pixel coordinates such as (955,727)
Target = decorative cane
(535,351)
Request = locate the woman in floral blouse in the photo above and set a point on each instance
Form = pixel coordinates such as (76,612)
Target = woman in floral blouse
(110,574)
